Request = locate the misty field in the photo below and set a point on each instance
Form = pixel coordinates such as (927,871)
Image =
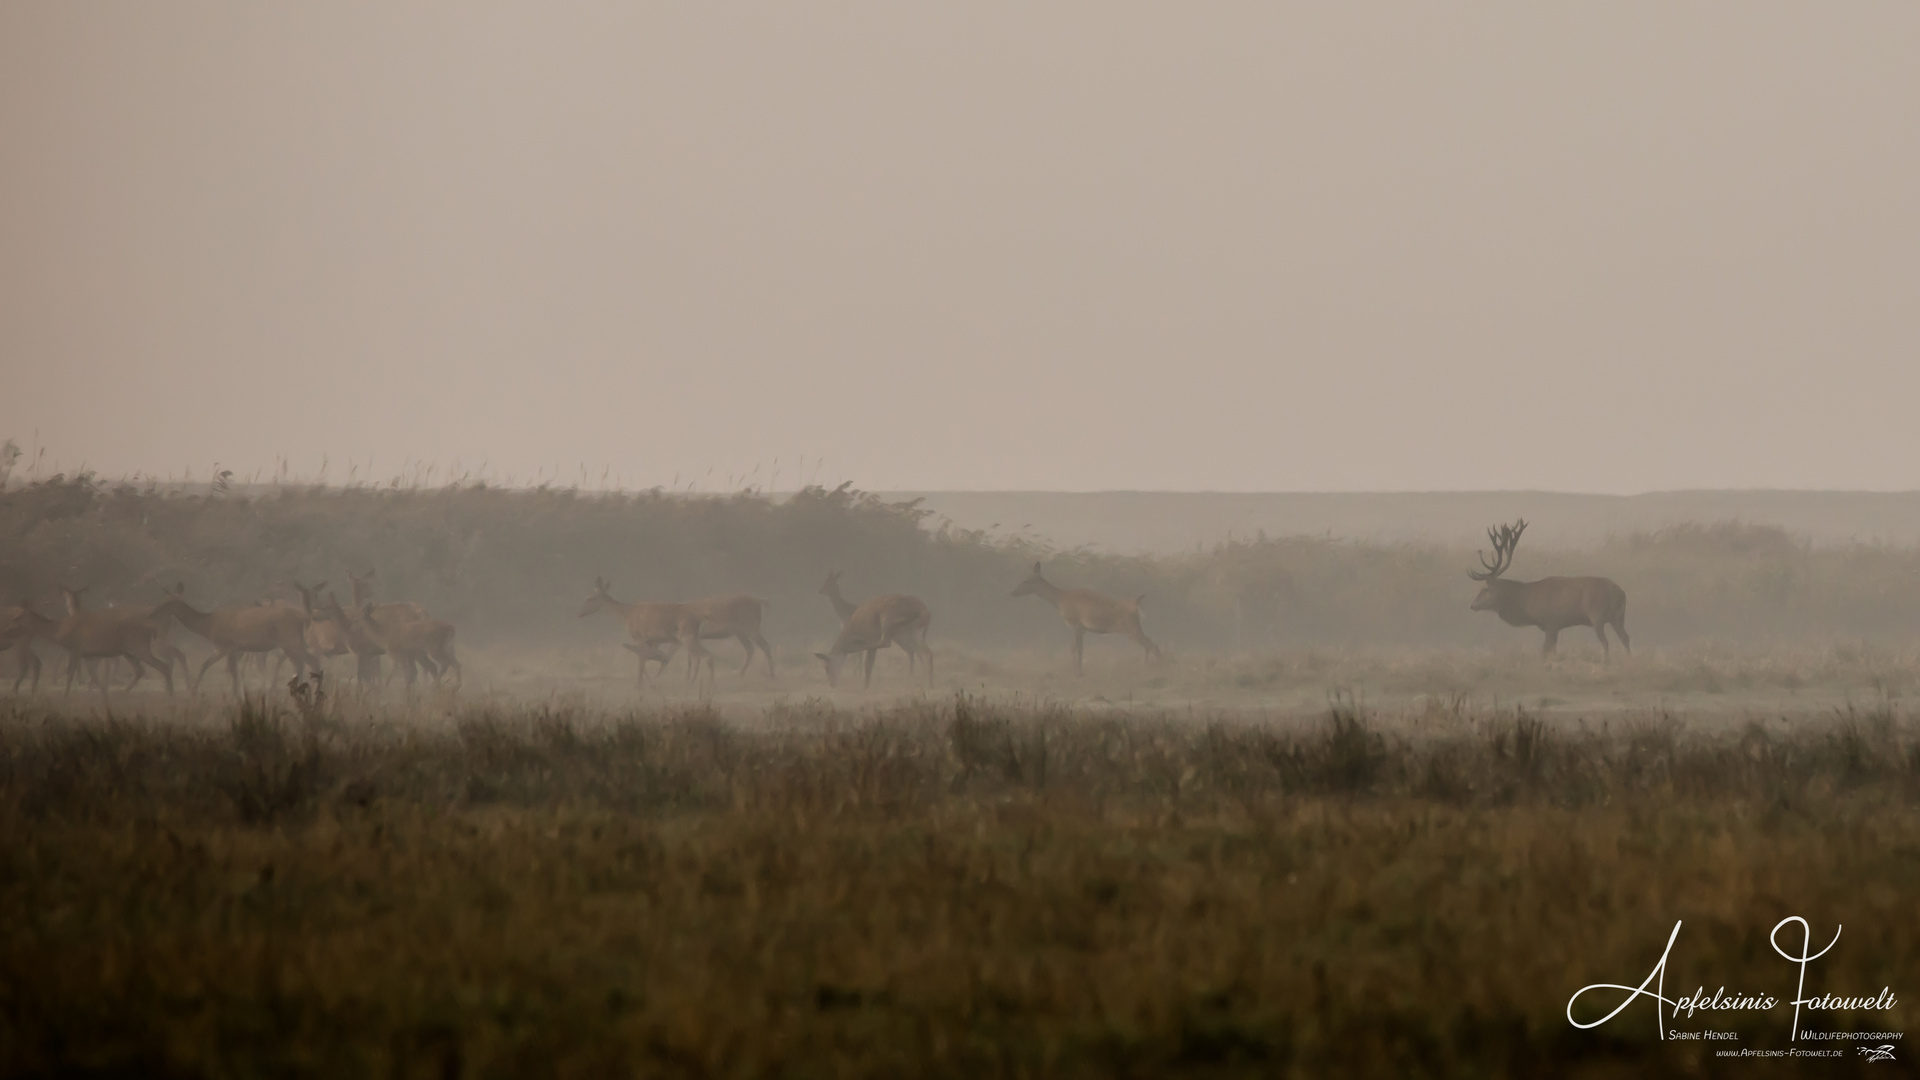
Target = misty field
(1344,824)
(953,886)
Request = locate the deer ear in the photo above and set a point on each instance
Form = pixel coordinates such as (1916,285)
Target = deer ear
(1036,569)
(824,656)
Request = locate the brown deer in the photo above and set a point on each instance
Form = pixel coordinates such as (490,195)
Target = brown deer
(652,626)
(845,609)
(100,669)
(736,617)
(895,619)
(19,625)
(1089,612)
(325,637)
(398,610)
(114,632)
(1552,604)
(367,664)
(413,643)
(236,632)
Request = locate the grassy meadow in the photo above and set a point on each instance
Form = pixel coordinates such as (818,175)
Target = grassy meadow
(939,886)
(1345,826)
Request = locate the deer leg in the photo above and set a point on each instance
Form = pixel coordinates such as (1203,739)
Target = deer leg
(1552,644)
(765,650)
(25,657)
(449,663)
(1079,650)
(201,678)
(747,643)
(871,654)
(233,670)
(1606,650)
(165,668)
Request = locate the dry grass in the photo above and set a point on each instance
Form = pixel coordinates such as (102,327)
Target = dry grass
(957,887)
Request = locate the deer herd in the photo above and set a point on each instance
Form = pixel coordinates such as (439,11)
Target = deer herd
(319,627)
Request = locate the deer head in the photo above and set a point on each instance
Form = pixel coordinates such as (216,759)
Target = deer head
(1033,584)
(833,662)
(1505,538)
(306,596)
(600,599)
(832,583)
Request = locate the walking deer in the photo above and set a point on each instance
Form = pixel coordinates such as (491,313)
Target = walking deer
(236,632)
(413,643)
(894,619)
(19,625)
(114,632)
(1552,604)
(657,629)
(736,617)
(1089,612)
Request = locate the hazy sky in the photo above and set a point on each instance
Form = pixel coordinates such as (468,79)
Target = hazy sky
(1605,247)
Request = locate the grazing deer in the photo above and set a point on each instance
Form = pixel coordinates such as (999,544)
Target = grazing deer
(652,626)
(19,625)
(93,635)
(1089,612)
(881,621)
(845,609)
(236,632)
(736,617)
(1552,604)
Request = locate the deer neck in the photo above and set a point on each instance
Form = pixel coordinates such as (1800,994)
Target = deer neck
(839,602)
(200,622)
(1048,591)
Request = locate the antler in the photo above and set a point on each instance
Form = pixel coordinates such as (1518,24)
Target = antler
(1505,539)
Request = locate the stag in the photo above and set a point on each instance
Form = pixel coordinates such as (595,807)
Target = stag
(1089,612)
(1552,604)
(895,619)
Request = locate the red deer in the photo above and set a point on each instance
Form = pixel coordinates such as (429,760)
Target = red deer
(238,631)
(92,635)
(845,609)
(18,627)
(651,626)
(367,663)
(1552,604)
(413,643)
(100,669)
(895,619)
(1089,612)
(737,617)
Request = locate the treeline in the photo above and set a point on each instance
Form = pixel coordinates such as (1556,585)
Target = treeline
(513,565)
